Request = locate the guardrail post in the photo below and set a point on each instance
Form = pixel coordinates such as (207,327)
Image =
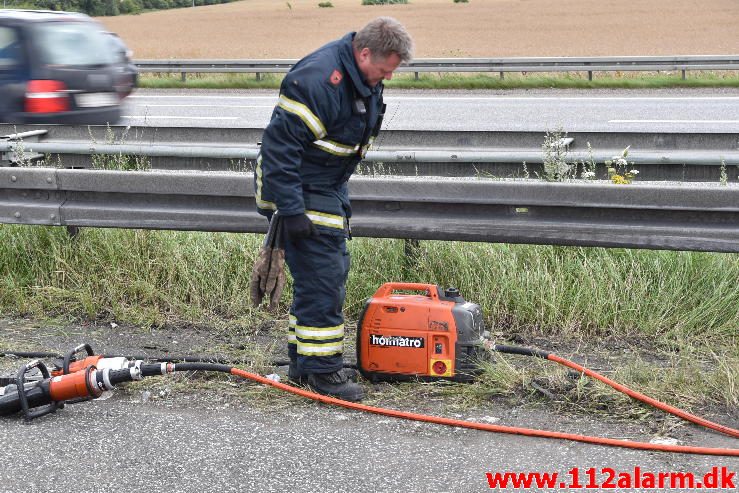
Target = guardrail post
(73,231)
(502,75)
(411,249)
(259,76)
(684,73)
(183,77)
(590,75)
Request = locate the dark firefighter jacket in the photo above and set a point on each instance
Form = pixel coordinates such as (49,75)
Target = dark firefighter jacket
(324,121)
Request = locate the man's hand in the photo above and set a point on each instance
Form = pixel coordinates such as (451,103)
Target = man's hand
(298,226)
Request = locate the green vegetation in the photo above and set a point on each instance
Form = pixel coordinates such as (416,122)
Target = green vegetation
(109,7)
(569,80)
(325,5)
(692,379)
(664,321)
(120,161)
(461,1)
(158,277)
(463,81)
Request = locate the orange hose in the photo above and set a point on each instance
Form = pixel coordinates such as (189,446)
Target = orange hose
(485,426)
(652,402)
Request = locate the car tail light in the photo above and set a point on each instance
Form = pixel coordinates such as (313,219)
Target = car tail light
(46,96)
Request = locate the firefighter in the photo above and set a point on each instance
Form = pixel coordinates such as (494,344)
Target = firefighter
(329,111)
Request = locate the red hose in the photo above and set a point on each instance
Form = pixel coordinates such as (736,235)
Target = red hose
(652,402)
(524,431)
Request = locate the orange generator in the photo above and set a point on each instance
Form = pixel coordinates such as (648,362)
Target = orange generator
(428,336)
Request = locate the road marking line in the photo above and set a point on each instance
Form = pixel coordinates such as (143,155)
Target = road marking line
(202,106)
(480,98)
(144,117)
(564,98)
(673,121)
(198,96)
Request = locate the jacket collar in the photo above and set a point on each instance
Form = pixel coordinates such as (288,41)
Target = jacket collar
(346,55)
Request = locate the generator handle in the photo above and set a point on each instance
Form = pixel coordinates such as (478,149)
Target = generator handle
(431,290)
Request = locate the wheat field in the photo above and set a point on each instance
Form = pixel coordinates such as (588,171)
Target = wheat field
(441,28)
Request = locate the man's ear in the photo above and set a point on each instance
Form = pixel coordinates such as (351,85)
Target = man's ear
(365,54)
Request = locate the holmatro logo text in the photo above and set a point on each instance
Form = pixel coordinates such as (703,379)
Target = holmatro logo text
(396,341)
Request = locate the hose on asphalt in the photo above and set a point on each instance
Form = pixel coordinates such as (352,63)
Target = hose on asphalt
(44,392)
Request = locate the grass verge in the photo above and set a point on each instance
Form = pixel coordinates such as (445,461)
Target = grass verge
(157,277)
(665,322)
(569,80)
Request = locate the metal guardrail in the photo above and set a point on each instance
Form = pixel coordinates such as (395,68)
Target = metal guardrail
(449,139)
(501,65)
(655,217)
(421,155)
(683,157)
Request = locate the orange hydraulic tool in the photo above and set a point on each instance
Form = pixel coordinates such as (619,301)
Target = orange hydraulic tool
(72,365)
(40,397)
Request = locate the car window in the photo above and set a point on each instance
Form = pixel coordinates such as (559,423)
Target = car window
(10,48)
(117,46)
(72,43)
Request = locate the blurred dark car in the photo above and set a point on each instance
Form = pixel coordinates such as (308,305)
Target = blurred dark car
(129,73)
(60,67)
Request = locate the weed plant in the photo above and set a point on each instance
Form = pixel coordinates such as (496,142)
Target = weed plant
(554,157)
(119,161)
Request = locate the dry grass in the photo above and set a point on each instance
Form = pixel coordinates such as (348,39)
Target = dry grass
(269,29)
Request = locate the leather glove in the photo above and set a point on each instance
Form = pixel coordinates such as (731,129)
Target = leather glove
(298,226)
(268,274)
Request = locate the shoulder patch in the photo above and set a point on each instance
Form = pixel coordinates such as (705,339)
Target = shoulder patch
(336,77)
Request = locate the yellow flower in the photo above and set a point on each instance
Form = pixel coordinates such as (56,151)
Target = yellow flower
(620,180)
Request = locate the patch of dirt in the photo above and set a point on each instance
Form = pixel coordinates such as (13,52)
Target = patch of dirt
(441,28)
(239,347)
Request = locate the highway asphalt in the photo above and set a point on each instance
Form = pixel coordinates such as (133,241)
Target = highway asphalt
(195,442)
(658,110)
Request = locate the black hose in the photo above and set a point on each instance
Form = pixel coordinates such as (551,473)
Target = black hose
(151,369)
(162,359)
(523,351)
(192,359)
(202,367)
(24,354)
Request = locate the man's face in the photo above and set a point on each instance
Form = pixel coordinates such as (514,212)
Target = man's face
(376,69)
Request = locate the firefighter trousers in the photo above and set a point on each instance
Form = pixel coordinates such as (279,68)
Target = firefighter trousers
(319,266)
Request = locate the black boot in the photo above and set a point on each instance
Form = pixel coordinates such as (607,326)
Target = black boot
(294,375)
(336,384)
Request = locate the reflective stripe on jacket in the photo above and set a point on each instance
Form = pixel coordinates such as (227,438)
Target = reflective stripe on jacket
(322,125)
